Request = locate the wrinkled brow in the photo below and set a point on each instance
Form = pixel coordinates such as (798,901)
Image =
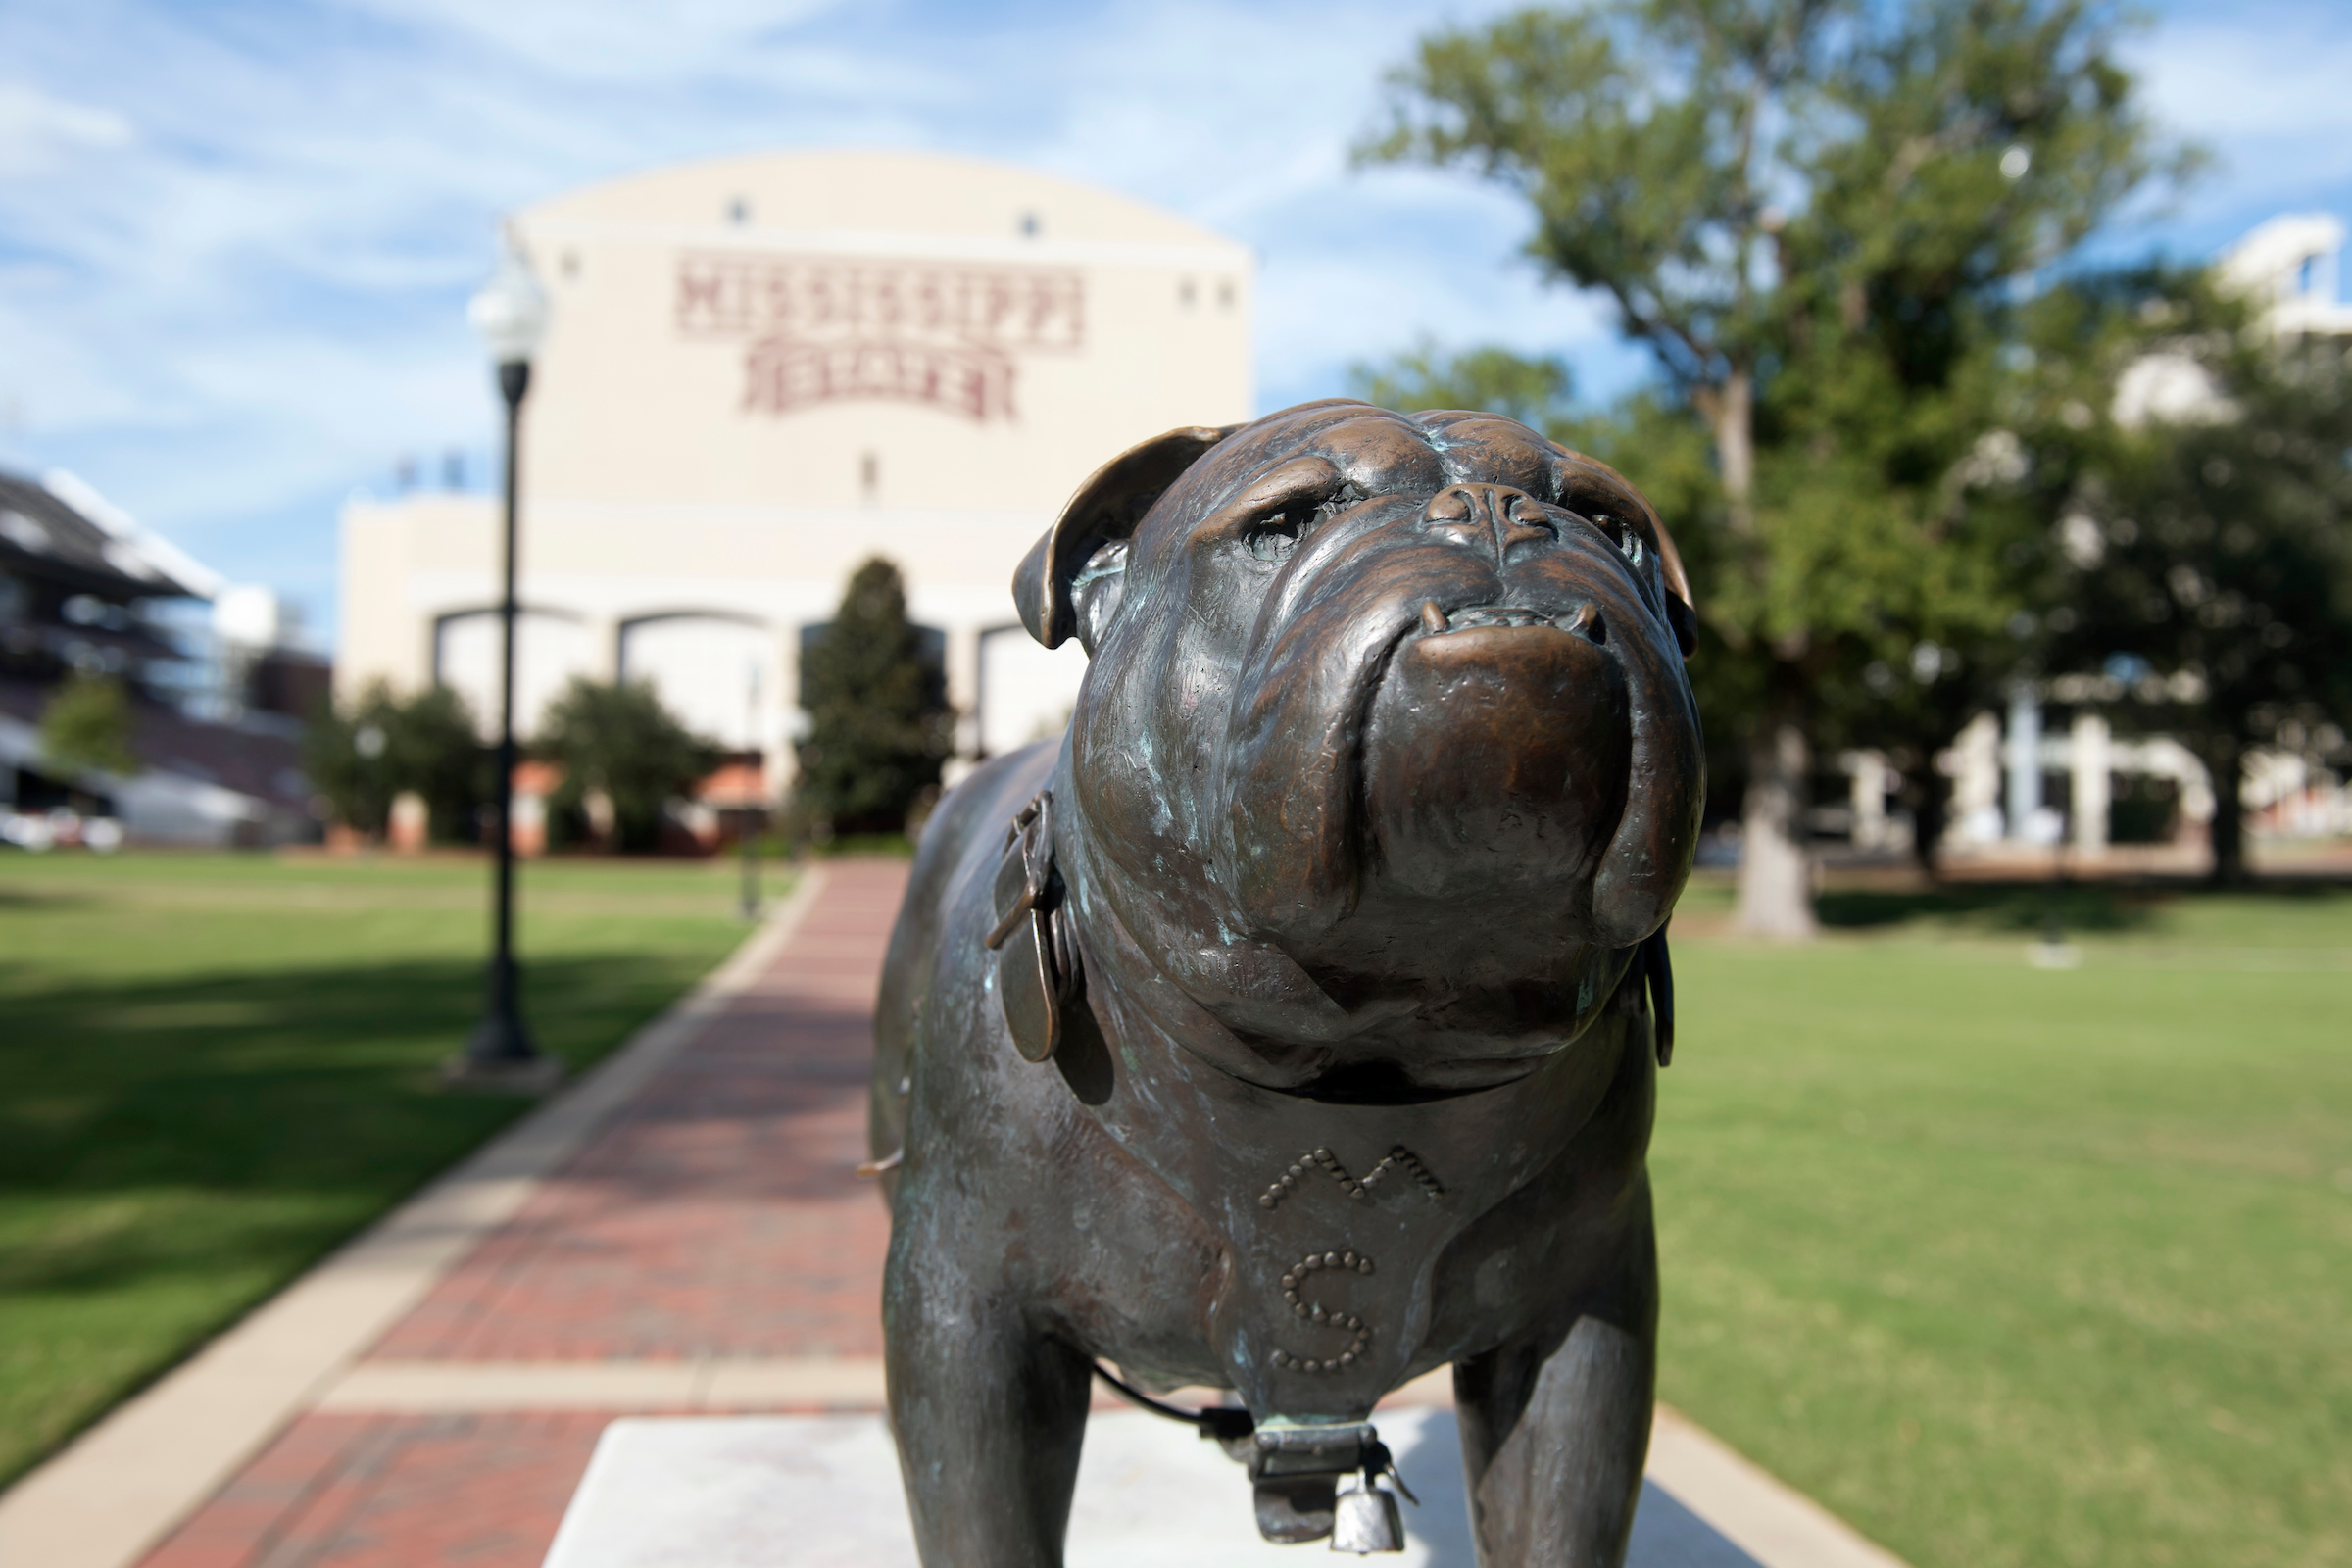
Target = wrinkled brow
(1385,456)
(1301,480)
(1516,464)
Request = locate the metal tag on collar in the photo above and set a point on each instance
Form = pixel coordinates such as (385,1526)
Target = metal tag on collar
(1035,966)
(1028,989)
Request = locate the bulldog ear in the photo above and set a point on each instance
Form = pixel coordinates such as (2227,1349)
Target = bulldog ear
(1105,511)
(1682,607)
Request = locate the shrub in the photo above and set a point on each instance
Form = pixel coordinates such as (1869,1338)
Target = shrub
(86,727)
(361,756)
(621,741)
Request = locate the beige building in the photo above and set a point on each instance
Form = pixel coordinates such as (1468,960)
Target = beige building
(760,371)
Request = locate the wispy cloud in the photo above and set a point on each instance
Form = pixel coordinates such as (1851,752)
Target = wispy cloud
(235,241)
(38,132)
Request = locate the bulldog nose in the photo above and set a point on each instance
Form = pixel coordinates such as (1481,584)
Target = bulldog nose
(1487,516)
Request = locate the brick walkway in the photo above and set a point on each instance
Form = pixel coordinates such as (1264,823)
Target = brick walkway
(714,1219)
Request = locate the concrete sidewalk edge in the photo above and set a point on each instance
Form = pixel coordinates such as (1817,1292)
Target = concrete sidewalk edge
(113,1493)
(1771,1522)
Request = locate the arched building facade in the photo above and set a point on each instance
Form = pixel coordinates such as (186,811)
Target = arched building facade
(760,371)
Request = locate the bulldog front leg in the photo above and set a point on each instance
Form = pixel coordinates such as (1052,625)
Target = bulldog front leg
(989,1412)
(1555,1430)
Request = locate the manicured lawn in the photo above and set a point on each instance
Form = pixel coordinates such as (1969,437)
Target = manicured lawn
(2017,1266)
(216,1067)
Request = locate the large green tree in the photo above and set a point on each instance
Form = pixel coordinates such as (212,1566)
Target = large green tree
(1813,213)
(879,724)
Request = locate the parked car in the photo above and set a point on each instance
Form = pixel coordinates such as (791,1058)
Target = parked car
(39,831)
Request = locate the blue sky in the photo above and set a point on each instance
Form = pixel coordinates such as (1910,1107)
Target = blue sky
(236,239)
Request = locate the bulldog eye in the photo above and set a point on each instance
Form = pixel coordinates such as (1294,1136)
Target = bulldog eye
(1629,541)
(1275,538)
(1275,542)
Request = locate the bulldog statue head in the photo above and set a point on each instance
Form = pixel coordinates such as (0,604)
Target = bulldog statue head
(1386,757)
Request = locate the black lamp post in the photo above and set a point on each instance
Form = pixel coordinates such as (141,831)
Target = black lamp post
(510,313)
(751,807)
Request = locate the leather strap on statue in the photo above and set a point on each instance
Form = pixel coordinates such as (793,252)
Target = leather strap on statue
(1658,972)
(1038,969)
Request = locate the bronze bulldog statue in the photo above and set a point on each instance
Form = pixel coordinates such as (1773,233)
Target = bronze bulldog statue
(1291,1027)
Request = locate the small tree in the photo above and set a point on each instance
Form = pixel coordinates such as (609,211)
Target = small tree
(86,727)
(347,754)
(879,724)
(361,755)
(619,740)
(436,751)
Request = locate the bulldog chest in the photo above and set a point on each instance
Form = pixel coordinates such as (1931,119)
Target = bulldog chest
(1334,1217)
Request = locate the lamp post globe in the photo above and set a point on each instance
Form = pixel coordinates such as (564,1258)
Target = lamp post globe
(510,315)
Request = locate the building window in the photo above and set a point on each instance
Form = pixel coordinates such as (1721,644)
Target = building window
(706,665)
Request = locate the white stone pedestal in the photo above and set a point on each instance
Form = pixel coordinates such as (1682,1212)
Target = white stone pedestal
(822,1491)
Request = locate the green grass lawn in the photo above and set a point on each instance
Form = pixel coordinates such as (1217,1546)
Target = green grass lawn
(2015,1266)
(216,1067)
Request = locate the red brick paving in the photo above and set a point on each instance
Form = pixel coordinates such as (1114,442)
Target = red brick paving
(394,1492)
(714,1215)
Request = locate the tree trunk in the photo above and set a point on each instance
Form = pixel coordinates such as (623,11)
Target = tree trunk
(1775,869)
(1730,410)
(2227,761)
(1929,793)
